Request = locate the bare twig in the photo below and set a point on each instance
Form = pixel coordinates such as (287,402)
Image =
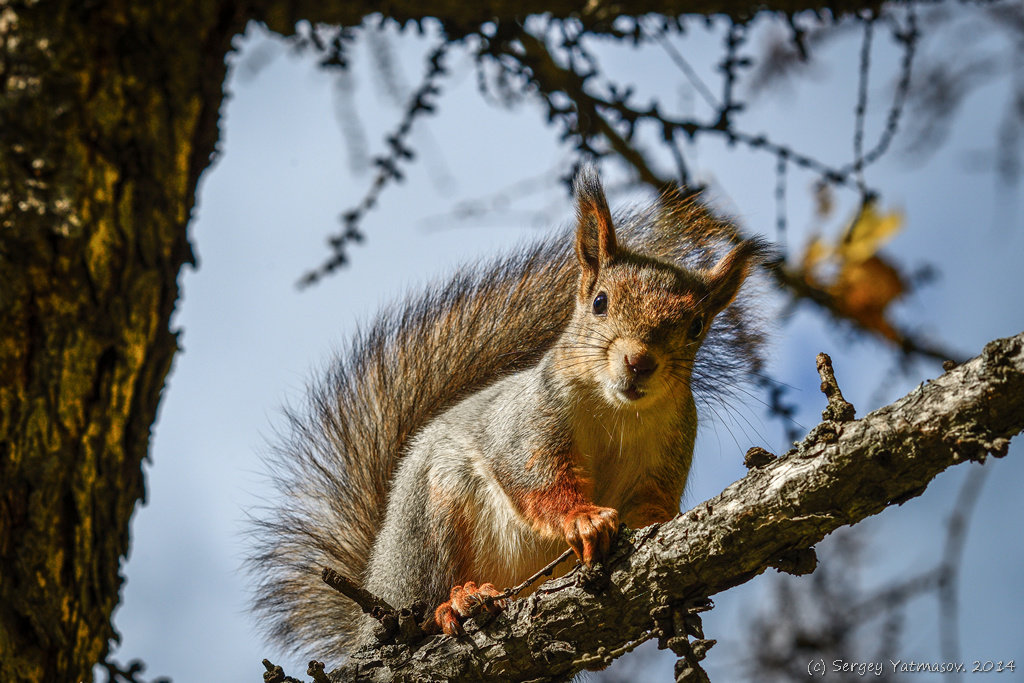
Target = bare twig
(839,409)
(127,674)
(369,602)
(949,570)
(861,109)
(388,165)
(546,571)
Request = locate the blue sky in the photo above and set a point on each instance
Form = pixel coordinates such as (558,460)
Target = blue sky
(251,339)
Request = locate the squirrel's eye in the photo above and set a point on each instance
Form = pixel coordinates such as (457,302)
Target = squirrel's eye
(696,327)
(601,304)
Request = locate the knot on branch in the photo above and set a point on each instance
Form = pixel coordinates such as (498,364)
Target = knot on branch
(758,457)
(998,447)
(797,562)
(976,447)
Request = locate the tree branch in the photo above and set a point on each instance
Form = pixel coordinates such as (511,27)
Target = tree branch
(907,342)
(598,15)
(841,473)
(551,78)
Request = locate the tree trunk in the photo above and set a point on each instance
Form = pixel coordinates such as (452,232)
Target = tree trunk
(107,117)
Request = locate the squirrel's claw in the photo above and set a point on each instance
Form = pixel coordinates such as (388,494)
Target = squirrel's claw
(589,531)
(446,618)
(466,601)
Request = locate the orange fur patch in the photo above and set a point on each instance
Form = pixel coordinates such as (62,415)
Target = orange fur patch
(547,508)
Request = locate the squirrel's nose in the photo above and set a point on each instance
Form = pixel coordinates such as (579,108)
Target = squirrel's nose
(640,363)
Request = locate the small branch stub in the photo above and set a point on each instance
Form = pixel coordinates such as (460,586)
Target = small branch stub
(409,629)
(757,457)
(675,624)
(370,603)
(275,674)
(839,409)
(316,671)
(688,668)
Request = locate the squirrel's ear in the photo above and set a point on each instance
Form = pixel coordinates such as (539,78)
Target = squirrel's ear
(595,234)
(728,275)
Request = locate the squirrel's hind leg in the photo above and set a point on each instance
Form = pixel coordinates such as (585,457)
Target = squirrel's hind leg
(465,601)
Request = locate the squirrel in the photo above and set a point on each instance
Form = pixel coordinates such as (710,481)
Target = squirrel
(536,401)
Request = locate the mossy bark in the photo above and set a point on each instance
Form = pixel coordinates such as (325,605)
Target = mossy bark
(107,117)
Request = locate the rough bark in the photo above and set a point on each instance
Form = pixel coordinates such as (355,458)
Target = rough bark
(107,117)
(840,474)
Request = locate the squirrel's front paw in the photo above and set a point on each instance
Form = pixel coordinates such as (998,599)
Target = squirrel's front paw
(589,530)
(465,601)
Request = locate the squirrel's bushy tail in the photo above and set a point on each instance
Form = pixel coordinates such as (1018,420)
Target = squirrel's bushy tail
(333,467)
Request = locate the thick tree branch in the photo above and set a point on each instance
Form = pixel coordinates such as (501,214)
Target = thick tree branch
(840,474)
(597,16)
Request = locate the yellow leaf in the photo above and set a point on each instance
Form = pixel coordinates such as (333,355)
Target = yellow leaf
(864,290)
(815,253)
(868,232)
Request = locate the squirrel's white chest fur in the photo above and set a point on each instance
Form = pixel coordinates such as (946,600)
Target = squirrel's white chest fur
(624,446)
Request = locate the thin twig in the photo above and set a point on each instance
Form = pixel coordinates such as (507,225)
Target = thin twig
(780,200)
(549,568)
(688,71)
(952,557)
(369,602)
(862,103)
(606,657)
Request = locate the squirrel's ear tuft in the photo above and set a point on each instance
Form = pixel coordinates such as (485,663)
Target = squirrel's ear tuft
(595,234)
(727,276)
